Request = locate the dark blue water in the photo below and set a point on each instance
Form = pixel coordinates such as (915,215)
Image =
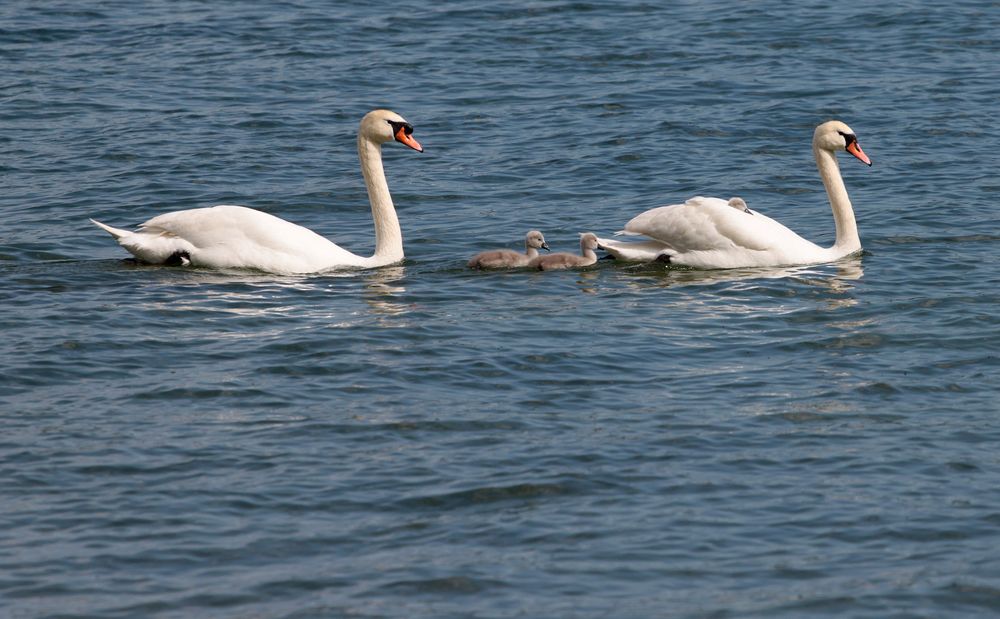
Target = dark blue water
(427,441)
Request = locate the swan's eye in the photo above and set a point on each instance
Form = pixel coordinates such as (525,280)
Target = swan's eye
(405,126)
(849,138)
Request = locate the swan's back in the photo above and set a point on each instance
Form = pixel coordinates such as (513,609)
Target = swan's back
(711,224)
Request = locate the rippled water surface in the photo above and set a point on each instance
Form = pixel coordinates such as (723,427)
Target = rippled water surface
(423,440)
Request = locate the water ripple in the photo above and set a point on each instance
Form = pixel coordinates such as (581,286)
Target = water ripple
(427,441)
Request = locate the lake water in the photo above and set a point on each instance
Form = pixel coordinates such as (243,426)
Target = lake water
(427,441)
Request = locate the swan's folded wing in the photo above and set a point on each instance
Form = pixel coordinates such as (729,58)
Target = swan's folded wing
(236,236)
(228,225)
(705,201)
(707,224)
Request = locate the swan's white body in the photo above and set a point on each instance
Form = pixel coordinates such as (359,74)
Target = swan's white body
(565,260)
(712,233)
(239,237)
(508,258)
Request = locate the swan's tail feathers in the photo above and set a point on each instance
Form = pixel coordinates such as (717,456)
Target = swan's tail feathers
(115,232)
(157,247)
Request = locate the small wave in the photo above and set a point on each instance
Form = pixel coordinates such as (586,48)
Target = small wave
(450,584)
(488,495)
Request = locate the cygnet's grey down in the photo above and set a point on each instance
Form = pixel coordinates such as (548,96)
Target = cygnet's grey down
(508,258)
(565,260)
(740,205)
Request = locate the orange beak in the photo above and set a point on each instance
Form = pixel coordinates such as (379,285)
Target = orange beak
(408,140)
(855,150)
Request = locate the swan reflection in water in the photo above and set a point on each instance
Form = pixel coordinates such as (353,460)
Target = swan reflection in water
(588,281)
(843,271)
(835,280)
(382,290)
(279,301)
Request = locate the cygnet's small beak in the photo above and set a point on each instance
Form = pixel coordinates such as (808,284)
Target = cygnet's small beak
(545,246)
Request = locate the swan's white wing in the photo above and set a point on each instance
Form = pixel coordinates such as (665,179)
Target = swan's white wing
(710,224)
(235,236)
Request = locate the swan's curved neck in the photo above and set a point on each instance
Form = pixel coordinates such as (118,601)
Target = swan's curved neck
(843,214)
(388,235)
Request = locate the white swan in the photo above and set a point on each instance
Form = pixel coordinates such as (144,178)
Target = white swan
(711,233)
(508,258)
(239,237)
(566,260)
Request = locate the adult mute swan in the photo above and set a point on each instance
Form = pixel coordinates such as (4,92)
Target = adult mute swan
(238,237)
(711,233)
(508,258)
(566,260)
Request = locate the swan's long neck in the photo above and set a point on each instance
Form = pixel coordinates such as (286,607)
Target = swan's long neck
(388,235)
(843,214)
